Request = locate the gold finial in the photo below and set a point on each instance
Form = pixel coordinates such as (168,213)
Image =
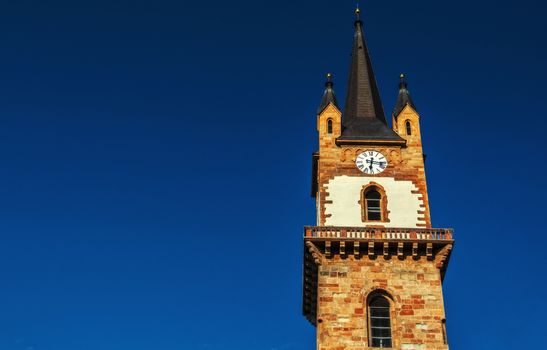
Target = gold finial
(402,81)
(357,10)
(329,80)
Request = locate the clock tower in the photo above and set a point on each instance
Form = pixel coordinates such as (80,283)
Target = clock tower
(373,264)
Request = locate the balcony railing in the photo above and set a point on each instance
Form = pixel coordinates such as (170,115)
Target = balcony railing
(426,234)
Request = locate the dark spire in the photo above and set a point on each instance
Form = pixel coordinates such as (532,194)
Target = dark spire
(404,98)
(364,116)
(328,95)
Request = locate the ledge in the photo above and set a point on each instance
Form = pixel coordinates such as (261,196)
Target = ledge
(341,141)
(378,233)
(324,242)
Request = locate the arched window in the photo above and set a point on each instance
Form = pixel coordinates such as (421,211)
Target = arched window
(329,126)
(373,205)
(408,127)
(379,311)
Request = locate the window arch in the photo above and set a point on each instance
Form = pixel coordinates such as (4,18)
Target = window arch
(408,126)
(379,321)
(329,126)
(374,203)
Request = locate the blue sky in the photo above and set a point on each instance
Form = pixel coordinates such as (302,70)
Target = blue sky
(155,165)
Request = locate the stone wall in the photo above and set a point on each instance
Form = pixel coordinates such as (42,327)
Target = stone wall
(414,289)
(406,163)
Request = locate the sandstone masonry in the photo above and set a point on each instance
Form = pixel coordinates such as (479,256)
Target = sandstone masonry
(373,264)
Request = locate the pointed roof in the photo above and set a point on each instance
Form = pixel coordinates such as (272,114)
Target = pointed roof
(364,117)
(404,98)
(328,95)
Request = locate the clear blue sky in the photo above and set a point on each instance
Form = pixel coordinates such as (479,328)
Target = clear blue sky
(155,165)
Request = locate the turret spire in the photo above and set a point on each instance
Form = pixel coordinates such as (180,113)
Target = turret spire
(404,98)
(328,95)
(364,116)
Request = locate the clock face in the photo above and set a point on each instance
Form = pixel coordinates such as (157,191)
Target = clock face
(371,162)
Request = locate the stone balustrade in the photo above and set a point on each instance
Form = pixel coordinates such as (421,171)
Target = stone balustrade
(385,233)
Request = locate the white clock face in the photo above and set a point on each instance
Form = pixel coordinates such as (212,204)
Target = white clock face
(371,162)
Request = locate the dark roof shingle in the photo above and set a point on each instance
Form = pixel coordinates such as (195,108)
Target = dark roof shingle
(403,99)
(328,95)
(364,116)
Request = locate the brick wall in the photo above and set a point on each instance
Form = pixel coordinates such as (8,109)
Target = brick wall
(405,163)
(414,287)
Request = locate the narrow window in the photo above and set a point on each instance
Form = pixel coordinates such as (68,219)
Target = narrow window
(380,322)
(329,126)
(408,127)
(373,205)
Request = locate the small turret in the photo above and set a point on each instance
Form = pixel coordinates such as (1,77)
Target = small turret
(328,95)
(404,98)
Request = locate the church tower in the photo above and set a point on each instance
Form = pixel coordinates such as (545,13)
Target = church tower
(373,264)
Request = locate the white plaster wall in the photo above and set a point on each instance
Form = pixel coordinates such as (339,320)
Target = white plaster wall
(345,193)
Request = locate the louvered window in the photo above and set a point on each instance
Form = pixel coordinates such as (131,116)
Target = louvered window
(408,127)
(373,205)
